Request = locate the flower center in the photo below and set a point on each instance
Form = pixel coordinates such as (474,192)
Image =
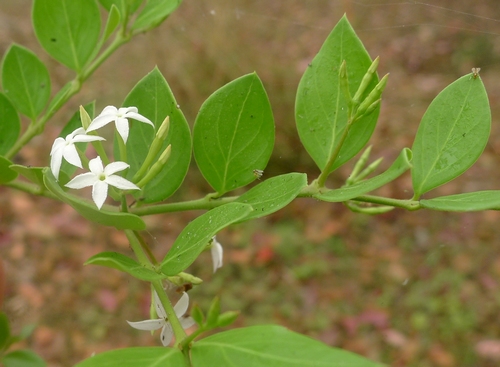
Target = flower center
(102,177)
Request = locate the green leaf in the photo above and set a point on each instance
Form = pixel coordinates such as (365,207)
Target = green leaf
(33,174)
(23,358)
(155,100)
(67,29)
(270,345)
(467,202)
(4,330)
(137,356)
(6,173)
(124,263)
(195,236)
(132,5)
(61,95)
(154,13)
(25,80)
(400,165)
(321,109)
(273,194)
(234,134)
(112,22)
(10,124)
(452,134)
(89,211)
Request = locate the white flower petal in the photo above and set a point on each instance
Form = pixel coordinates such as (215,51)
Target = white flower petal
(86,138)
(138,117)
(114,167)
(160,311)
(100,121)
(217,253)
(187,322)
(122,128)
(71,155)
(166,334)
(109,110)
(147,324)
(182,305)
(95,166)
(79,131)
(99,193)
(124,110)
(55,162)
(121,183)
(81,181)
(58,144)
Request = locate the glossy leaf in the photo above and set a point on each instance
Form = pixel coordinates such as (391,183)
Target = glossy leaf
(154,99)
(321,107)
(452,134)
(132,5)
(112,23)
(23,358)
(33,174)
(400,165)
(124,263)
(270,345)
(4,330)
(154,13)
(25,80)
(10,124)
(234,134)
(471,201)
(6,173)
(273,194)
(88,209)
(138,356)
(195,236)
(67,29)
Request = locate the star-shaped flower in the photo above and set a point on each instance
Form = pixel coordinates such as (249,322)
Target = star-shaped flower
(65,148)
(217,252)
(99,178)
(166,332)
(120,117)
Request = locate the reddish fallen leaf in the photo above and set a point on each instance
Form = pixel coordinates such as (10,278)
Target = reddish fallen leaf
(488,349)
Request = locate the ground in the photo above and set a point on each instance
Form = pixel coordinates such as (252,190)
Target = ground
(405,288)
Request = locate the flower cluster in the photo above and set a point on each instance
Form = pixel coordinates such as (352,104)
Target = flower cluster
(99,177)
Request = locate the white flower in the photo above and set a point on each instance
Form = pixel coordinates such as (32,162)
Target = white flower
(217,252)
(166,332)
(99,178)
(65,148)
(119,116)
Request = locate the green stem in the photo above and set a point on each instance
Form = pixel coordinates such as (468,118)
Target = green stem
(333,157)
(198,204)
(404,204)
(136,245)
(30,188)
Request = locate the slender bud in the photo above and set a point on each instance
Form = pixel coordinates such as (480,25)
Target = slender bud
(360,164)
(156,167)
(85,118)
(369,170)
(344,82)
(213,313)
(163,130)
(366,80)
(372,100)
(154,149)
(227,318)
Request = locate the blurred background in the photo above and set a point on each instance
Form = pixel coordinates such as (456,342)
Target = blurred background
(404,288)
